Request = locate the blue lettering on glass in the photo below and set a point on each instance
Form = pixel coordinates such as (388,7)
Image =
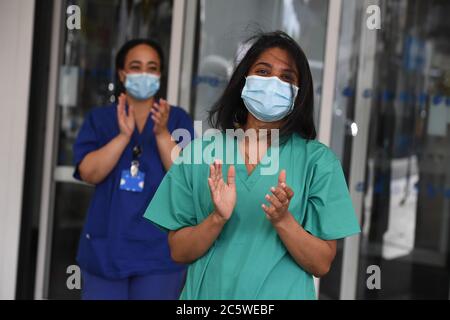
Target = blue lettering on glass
(379,186)
(319,90)
(437,99)
(447,193)
(368,93)
(423,98)
(209,80)
(348,92)
(403,143)
(96,73)
(404,97)
(431,191)
(414,54)
(388,96)
(360,187)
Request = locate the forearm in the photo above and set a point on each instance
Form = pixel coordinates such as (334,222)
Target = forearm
(191,243)
(97,165)
(311,253)
(167,149)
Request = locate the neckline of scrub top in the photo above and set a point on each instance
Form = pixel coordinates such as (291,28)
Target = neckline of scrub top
(138,136)
(249,180)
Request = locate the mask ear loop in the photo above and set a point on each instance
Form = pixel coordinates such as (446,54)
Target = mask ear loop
(294,94)
(239,113)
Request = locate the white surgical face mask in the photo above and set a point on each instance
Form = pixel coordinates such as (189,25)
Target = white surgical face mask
(142,86)
(269,99)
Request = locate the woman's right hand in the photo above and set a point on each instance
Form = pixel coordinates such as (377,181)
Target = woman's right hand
(223,194)
(127,122)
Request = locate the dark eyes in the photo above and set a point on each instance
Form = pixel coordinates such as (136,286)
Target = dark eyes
(284,77)
(288,78)
(262,72)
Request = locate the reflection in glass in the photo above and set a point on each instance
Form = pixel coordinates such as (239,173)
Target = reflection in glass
(405,212)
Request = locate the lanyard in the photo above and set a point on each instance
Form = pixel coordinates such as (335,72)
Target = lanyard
(137,153)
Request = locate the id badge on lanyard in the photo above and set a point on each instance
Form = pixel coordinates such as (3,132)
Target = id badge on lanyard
(132,180)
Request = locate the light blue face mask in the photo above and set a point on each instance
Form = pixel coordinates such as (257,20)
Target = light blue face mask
(142,86)
(269,99)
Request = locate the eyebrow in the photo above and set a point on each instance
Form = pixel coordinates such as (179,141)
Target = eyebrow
(289,70)
(139,62)
(264,64)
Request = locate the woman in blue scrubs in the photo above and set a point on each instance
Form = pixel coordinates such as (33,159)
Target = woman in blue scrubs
(125,150)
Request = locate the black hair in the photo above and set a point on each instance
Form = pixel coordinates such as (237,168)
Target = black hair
(122,55)
(230,112)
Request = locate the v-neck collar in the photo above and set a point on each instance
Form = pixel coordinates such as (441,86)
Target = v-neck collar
(139,136)
(250,180)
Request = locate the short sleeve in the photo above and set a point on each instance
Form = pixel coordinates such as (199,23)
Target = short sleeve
(86,142)
(172,206)
(330,214)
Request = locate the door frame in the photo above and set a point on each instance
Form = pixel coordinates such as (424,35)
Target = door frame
(350,259)
(329,81)
(50,153)
(358,153)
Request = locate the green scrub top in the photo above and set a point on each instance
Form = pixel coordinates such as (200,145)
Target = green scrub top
(249,261)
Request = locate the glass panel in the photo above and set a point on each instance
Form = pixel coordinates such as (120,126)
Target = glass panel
(347,68)
(407,189)
(87,80)
(225,25)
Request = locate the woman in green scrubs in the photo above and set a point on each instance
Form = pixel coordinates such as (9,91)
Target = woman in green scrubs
(270,225)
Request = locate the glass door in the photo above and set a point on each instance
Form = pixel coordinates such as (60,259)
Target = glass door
(86,79)
(220,30)
(391,125)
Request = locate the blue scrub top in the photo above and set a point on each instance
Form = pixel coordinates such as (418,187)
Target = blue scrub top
(117,242)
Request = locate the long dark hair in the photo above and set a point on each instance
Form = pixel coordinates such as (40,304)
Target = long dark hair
(122,55)
(230,111)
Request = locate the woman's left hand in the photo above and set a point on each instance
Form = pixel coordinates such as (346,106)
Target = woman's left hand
(160,116)
(279,200)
